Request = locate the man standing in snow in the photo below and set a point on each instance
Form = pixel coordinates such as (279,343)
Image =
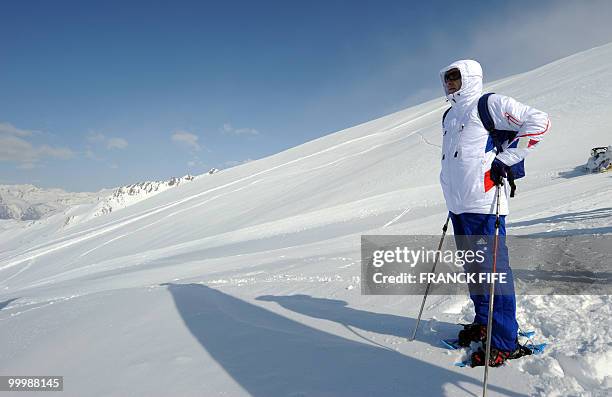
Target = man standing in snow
(475,164)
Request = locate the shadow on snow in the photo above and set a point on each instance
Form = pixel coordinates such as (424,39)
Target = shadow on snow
(271,355)
(598,213)
(6,303)
(338,311)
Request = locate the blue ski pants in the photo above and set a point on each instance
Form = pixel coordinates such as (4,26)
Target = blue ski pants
(505,326)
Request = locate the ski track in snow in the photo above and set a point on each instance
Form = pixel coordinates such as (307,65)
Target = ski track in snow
(397,218)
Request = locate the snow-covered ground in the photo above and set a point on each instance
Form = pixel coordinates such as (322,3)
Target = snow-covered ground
(247,283)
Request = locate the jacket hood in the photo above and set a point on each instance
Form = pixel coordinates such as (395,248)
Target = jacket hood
(471,82)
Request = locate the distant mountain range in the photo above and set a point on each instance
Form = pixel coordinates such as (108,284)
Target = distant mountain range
(31,203)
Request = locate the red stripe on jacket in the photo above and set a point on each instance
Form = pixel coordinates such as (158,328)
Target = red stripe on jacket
(488,183)
(537,133)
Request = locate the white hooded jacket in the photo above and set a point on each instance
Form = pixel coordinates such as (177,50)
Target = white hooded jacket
(466,156)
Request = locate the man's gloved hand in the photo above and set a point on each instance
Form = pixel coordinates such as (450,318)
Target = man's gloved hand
(499,171)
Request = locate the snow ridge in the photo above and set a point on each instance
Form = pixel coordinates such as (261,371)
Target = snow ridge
(125,196)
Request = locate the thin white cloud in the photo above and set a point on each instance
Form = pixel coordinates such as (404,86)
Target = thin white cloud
(94,137)
(522,41)
(507,39)
(26,166)
(9,129)
(15,148)
(109,142)
(229,129)
(91,155)
(186,139)
(116,143)
(56,152)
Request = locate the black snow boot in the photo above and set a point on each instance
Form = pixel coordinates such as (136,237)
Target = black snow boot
(498,357)
(472,333)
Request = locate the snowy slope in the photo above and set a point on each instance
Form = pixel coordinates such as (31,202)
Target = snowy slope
(247,283)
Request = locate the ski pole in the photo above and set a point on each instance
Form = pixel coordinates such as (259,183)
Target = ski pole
(491,299)
(416,327)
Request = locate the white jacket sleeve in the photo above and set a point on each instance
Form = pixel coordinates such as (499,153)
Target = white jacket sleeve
(530,123)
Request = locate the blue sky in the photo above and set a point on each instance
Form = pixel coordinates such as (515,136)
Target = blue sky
(99,94)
